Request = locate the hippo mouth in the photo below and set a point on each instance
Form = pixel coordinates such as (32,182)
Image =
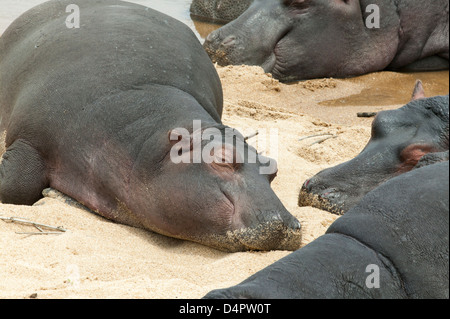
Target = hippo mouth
(273,234)
(275,63)
(229,203)
(329,200)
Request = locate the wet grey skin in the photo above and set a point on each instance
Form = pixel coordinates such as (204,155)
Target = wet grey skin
(392,245)
(306,39)
(404,139)
(91,112)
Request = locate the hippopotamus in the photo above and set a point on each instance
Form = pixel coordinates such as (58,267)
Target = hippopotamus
(392,245)
(305,39)
(100,113)
(218,11)
(403,139)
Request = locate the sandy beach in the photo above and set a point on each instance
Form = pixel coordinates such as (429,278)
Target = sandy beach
(97,258)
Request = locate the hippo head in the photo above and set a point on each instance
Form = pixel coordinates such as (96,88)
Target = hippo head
(213,188)
(305,39)
(402,139)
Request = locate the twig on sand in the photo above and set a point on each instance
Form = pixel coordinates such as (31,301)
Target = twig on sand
(41,233)
(323,139)
(311,136)
(36,225)
(328,136)
(251,136)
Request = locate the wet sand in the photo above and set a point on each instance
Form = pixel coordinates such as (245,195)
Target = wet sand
(97,258)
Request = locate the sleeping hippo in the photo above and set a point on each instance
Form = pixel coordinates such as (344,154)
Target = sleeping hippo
(102,111)
(305,39)
(219,11)
(413,136)
(393,244)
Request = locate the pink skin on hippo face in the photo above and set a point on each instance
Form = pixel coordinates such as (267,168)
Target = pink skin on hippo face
(305,39)
(408,138)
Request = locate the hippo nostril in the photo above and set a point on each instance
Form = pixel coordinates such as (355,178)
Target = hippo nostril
(309,185)
(329,194)
(211,37)
(305,185)
(229,41)
(295,225)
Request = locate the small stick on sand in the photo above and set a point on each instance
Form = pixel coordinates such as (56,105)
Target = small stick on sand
(42,233)
(323,140)
(251,136)
(37,225)
(311,136)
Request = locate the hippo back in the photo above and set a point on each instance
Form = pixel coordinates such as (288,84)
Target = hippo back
(394,244)
(409,227)
(104,55)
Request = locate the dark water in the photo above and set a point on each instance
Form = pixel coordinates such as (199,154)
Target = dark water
(389,88)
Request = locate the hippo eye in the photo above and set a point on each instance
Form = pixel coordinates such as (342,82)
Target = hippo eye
(382,124)
(231,166)
(226,158)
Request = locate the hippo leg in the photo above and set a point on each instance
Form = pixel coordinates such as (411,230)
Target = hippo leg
(22,174)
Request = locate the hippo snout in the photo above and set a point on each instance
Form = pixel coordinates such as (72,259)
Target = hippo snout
(311,186)
(228,41)
(314,194)
(271,230)
(307,185)
(211,38)
(219,48)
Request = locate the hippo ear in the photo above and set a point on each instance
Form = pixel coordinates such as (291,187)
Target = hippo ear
(419,92)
